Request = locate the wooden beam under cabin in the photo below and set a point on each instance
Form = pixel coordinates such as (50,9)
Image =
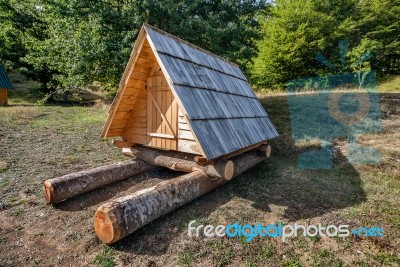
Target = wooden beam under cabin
(245,149)
(122,143)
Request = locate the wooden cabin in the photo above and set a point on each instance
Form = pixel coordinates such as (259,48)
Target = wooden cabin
(5,85)
(174,95)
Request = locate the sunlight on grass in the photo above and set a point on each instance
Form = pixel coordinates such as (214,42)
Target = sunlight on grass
(11,115)
(106,258)
(390,85)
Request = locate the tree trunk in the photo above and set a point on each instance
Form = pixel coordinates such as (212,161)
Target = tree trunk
(67,186)
(122,216)
(50,96)
(65,96)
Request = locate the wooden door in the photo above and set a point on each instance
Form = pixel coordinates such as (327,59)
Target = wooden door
(162,114)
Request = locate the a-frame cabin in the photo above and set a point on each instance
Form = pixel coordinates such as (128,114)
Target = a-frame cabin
(5,85)
(176,96)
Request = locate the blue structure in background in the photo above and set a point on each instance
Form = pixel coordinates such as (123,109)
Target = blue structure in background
(335,113)
(4,80)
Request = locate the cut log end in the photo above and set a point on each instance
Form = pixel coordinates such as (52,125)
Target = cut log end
(48,192)
(129,152)
(265,149)
(222,169)
(268,151)
(202,161)
(229,170)
(104,227)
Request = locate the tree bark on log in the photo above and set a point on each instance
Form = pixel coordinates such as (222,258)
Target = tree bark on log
(178,161)
(67,186)
(120,217)
(266,149)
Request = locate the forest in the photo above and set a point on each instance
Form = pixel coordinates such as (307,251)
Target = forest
(67,45)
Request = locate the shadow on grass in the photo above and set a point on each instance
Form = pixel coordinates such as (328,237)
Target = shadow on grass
(56,103)
(300,194)
(29,93)
(304,194)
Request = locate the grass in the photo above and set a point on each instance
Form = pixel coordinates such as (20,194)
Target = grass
(325,257)
(25,92)
(39,142)
(222,252)
(291,263)
(18,211)
(186,257)
(387,259)
(29,93)
(390,84)
(105,258)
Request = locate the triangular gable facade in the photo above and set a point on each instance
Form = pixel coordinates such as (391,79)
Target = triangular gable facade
(174,95)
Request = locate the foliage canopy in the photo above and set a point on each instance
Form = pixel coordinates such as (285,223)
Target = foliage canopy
(66,45)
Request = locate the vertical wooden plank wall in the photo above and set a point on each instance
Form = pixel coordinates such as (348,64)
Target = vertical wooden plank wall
(136,127)
(3,97)
(134,91)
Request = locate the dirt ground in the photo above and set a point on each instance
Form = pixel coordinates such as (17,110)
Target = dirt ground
(40,142)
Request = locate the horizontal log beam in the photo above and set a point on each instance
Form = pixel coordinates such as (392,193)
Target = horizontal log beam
(265,149)
(120,217)
(180,161)
(122,143)
(67,186)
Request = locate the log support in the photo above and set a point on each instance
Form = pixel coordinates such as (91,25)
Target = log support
(122,216)
(178,161)
(266,149)
(122,143)
(202,160)
(67,186)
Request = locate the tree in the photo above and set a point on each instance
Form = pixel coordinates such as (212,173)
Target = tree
(375,27)
(89,40)
(293,32)
(226,28)
(20,22)
(84,43)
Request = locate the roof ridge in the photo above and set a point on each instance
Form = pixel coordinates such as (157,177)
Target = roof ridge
(189,43)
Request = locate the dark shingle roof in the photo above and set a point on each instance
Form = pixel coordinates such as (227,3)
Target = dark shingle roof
(223,111)
(4,80)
